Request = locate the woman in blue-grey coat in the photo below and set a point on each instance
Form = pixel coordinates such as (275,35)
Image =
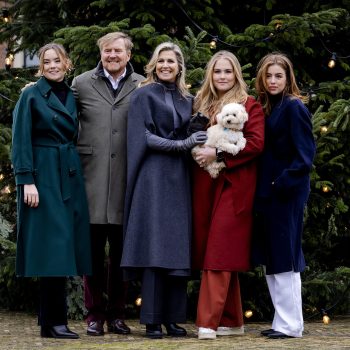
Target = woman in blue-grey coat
(282,191)
(52,216)
(157,216)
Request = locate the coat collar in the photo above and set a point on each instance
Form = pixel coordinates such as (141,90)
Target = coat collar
(101,86)
(52,100)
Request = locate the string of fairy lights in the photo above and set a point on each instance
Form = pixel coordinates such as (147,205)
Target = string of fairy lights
(279,29)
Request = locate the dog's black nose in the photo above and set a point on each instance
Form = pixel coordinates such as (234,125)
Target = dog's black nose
(229,122)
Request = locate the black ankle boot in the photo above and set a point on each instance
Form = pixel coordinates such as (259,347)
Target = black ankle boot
(174,330)
(61,331)
(154,331)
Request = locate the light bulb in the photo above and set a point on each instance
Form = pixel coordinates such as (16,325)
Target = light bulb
(212,44)
(326,319)
(248,313)
(325,188)
(331,63)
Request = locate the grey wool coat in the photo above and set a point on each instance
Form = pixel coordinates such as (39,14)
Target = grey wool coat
(102,142)
(157,223)
(52,239)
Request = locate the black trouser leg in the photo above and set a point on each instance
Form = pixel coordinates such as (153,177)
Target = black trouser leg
(163,297)
(52,302)
(175,302)
(116,287)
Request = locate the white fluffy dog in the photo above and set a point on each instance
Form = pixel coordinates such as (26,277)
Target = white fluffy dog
(226,135)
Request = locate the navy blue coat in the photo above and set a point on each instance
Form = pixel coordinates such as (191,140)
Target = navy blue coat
(283,187)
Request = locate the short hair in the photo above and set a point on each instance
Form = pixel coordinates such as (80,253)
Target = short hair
(110,37)
(60,51)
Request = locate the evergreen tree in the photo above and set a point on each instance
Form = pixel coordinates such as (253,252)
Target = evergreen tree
(310,32)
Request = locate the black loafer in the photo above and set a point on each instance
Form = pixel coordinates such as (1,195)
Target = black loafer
(154,331)
(266,332)
(118,327)
(278,335)
(174,330)
(61,332)
(95,328)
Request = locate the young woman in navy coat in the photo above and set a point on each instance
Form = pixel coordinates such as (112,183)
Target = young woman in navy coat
(52,220)
(282,191)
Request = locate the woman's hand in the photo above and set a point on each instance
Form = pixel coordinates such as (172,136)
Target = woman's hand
(31,195)
(205,155)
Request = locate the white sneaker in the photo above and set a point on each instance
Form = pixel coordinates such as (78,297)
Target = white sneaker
(206,333)
(230,330)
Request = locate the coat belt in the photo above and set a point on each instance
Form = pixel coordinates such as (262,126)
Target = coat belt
(66,160)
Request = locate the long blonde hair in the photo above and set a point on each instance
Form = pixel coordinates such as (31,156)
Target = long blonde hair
(150,68)
(291,88)
(61,53)
(207,100)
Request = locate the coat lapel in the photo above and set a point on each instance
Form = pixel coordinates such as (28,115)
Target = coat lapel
(101,87)
(128,87)
(53,101)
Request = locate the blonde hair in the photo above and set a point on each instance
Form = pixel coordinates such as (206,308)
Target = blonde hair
(61,53)
(291,88)
(150,68)
(110,37)
(207,100)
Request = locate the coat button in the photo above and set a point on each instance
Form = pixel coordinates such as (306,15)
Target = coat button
(55,117)
(114,131)
(113,155)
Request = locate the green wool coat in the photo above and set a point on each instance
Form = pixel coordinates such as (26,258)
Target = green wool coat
(52,239)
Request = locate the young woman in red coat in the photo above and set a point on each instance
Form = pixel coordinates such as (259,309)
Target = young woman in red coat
(222,207)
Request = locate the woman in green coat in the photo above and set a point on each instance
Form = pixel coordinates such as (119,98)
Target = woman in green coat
(52,213)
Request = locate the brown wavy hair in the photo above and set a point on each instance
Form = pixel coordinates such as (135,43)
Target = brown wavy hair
(291,88)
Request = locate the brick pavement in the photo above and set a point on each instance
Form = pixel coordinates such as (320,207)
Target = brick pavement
(19,331)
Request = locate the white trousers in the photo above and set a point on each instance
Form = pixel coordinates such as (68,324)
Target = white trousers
(285,292)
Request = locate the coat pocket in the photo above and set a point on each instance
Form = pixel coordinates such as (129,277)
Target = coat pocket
(82,149)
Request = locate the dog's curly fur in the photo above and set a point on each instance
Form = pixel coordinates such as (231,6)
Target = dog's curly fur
(226,135)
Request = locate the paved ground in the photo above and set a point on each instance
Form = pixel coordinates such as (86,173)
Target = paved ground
(19,332)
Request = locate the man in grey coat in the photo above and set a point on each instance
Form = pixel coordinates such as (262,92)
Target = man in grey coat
(103,97)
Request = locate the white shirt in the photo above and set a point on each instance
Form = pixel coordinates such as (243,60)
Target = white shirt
(114,82)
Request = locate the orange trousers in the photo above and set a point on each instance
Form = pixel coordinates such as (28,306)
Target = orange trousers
(219,302)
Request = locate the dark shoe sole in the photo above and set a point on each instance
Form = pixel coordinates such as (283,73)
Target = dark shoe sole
(118,332)
(47,334)
(266,332)
(154,336)
(95,334)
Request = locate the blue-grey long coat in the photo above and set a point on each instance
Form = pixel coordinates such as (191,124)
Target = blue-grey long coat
(52,239)
(158,197)
(283,187)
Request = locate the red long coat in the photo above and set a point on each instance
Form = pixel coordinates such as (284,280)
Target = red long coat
(222,207)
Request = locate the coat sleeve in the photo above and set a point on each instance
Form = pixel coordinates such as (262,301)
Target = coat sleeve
(254,130)
(22,154)
(300,128)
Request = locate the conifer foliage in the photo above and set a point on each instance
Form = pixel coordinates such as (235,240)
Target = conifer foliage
(310,32)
